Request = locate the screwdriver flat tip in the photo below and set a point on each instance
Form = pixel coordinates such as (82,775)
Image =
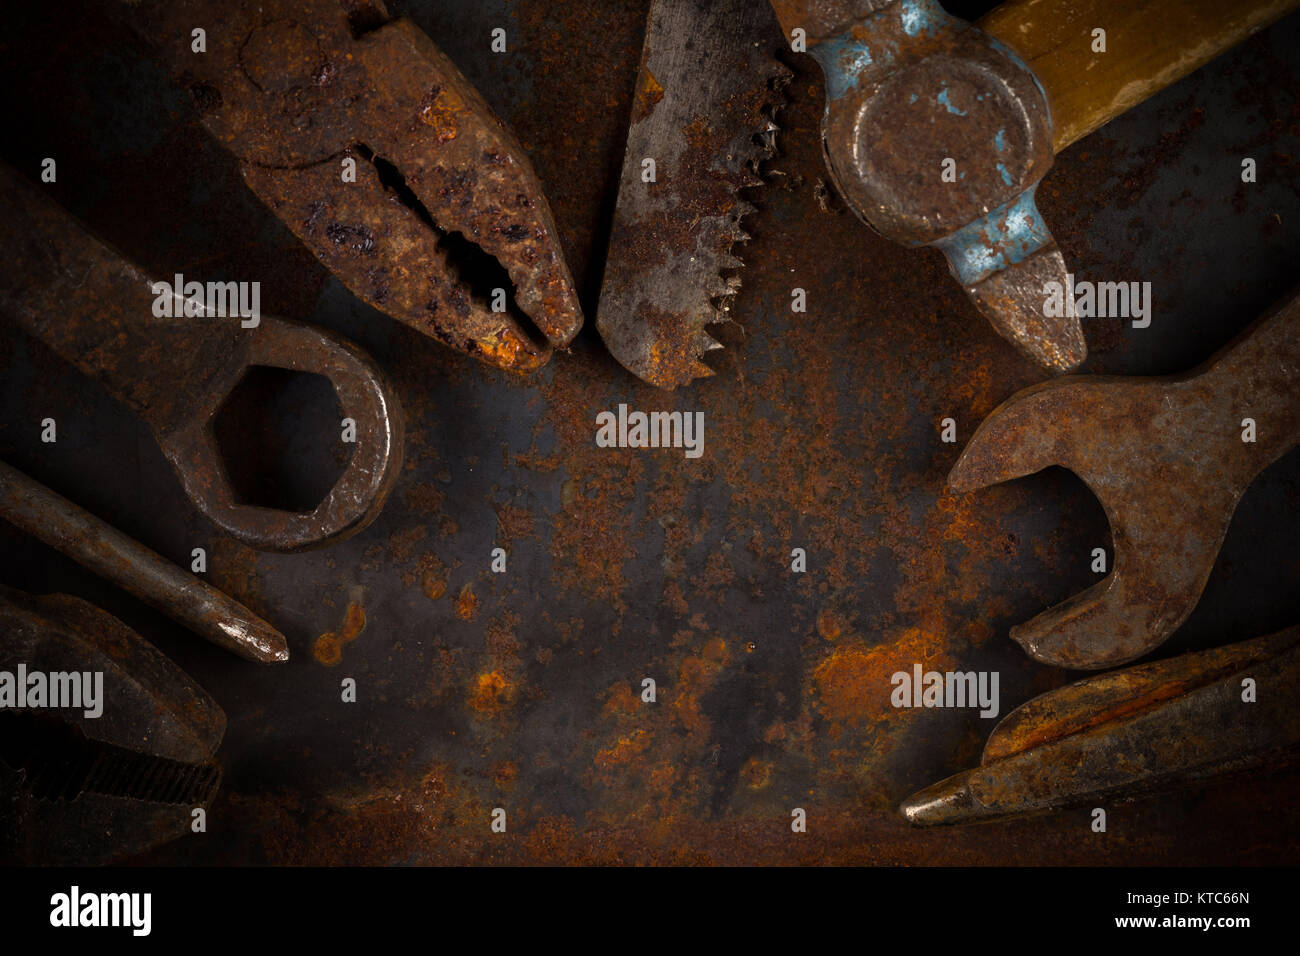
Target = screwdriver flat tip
(253,639)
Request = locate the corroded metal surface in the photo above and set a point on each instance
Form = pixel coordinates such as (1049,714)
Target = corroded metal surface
(521,690)
(823,19)
(1130,732)
(296,89)
(86,790)
(1168,458)
(97,311)
(103,549)
(703,115)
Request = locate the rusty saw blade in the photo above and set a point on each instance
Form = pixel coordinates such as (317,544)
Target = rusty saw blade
(702,122)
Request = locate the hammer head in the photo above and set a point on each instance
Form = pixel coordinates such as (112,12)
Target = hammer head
(937,134)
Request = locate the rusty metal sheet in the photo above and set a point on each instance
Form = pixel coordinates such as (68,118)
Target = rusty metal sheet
(522,690)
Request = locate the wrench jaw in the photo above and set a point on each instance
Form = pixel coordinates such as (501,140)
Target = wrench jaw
(1098,628)
(361,491)
(1025,434)
(1162,564)
(1084,425)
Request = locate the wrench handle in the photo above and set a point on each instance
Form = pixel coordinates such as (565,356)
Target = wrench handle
(95,309)
(1150,44)
(1257,376)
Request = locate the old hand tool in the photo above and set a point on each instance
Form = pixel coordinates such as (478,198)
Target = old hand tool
(103,549)
(1168,458)
(96,310)
(116,769)
(938,133)
(301,91)
(1117,735)
(702,121)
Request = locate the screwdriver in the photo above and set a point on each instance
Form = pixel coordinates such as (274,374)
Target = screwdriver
(1113,736)
(94,544)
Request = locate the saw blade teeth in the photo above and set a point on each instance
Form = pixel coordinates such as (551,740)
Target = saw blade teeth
(700,370)
(717,286)
(732,96)
(707,343)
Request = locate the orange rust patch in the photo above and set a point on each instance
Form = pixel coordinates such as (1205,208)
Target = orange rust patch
(328,648)
(695,678)
(466,603)
(853,683)
(441,114)
(502,645)
(431,574)
(424,497)
(504,348)
(829,625)
(649,92)
(505,773)
(514,523)
(491,693)
(621,700)
(624,749)
(756,773)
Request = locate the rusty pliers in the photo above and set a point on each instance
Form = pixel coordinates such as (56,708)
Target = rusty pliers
(368,143)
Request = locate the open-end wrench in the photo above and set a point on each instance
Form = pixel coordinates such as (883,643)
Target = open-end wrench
(1168,458)
(96,310)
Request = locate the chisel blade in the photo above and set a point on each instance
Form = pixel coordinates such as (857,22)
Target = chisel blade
(702,122)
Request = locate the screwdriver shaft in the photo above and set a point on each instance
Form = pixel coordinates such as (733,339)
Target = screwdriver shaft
(213,615)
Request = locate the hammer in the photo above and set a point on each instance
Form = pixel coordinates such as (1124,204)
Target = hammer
(937,131)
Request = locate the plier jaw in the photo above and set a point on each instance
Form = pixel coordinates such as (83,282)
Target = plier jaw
(373,148)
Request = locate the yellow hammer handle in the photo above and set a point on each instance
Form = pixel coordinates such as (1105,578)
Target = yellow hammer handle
(1149,44)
